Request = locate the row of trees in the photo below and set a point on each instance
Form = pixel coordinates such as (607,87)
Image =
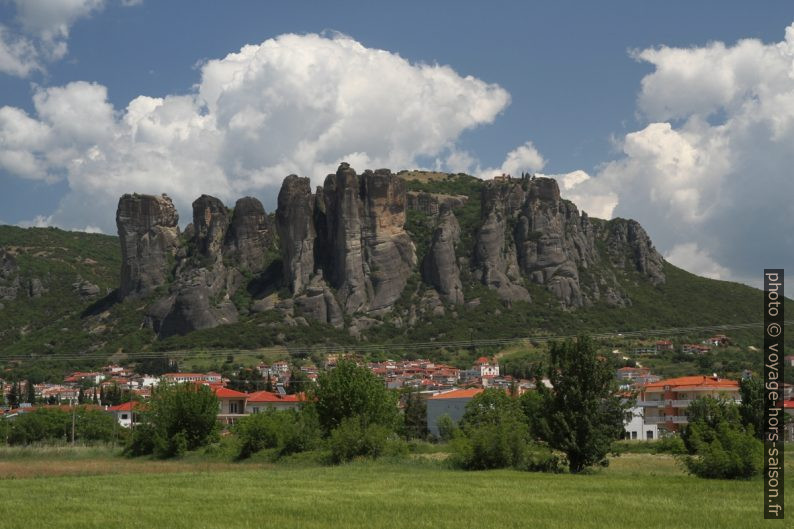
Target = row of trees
(55,425)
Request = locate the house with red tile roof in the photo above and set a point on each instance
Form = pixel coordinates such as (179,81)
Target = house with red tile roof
(263,400)
(231,404)
(126,413)
(665,402)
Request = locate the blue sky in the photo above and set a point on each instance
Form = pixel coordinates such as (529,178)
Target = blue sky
(637,107)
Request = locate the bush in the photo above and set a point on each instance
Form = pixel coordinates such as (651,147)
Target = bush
(733,453)
(352,438)
(487,446)
(141,441)
(287,432)
(541,458)
(446,428)
(669,444)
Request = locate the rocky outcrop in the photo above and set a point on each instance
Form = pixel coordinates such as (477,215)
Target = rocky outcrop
(629,247)
(346,257)
(440,266)
(432,203)
(296,232)
(319,303)
(192,309)
(495,259)
(210,223)
(554,245)
(370,255)
(250,235)
(149,235)
(85,289)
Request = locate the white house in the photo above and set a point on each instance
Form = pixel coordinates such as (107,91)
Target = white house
(125,413)
(636,428)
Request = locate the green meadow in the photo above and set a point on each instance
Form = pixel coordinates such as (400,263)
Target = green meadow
(60,489)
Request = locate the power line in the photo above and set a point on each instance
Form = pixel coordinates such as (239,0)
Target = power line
(290,351)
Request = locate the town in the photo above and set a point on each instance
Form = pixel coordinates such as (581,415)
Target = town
(658,406)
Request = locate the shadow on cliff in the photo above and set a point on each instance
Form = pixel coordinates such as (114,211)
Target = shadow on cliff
(268,282)
(101,305)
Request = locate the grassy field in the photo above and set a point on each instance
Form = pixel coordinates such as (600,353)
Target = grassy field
(95,489)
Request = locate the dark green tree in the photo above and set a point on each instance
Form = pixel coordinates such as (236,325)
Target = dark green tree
(31,392)
(298,382)
(751,409)
(349,390)
(81,396)
(581,414)
(415,416)
(704,415)
(13,395)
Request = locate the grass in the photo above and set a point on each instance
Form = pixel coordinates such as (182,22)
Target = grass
(411,493)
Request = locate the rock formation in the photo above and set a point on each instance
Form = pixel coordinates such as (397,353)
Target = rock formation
(149,234)
(440,266)
(346,257)
(552,244)
(370,253)
(295,225)
(250,235)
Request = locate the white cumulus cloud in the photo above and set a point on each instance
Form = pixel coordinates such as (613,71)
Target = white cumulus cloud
(709,175)
(292,104)
(41,33)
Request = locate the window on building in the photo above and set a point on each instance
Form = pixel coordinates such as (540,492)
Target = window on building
(123,416)
(633,435)
(649,435)
(234,407)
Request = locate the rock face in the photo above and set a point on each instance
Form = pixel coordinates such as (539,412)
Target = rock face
(350,233)
(205,263)
(495,258)
(210,222)
(346,257)
(295,225)
(529,231)
(432,203)
(250,235)
(370,254)
(148,231)
(440,266)
(630,247)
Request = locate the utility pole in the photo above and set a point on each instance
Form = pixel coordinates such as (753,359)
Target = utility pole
(74,411)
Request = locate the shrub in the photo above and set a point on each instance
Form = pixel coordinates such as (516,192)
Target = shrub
(287,432)
(487,446)
(669,444)
(352,438)
(732,453)
(541,458)
(446,428)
